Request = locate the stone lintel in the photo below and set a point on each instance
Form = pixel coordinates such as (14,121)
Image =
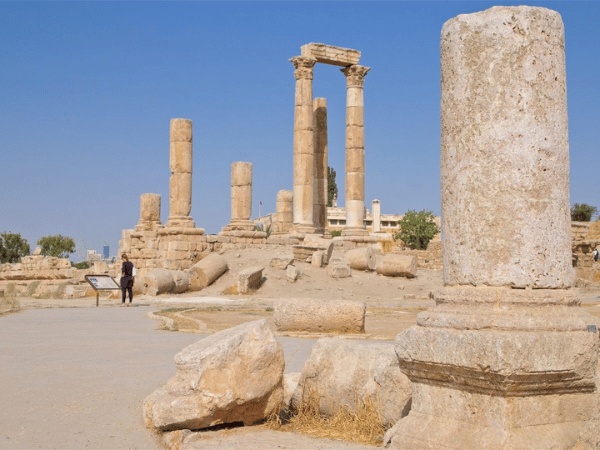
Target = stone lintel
(328,54)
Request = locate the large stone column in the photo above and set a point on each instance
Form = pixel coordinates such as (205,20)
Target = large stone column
(320,191)
(507,358)
(149,213)
(355,151)
(303,145)
(241,197)
(180,184)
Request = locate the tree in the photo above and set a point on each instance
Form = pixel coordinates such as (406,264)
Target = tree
(417,229)
(12,247)
(582,212)
(59,246)
(332,189)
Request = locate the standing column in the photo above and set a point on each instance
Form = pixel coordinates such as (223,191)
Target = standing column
(320,197)
(149,212)
(304,155)
(284,212)
(355,151)
(241,197)
(376,208)
(507,358)
(180,184)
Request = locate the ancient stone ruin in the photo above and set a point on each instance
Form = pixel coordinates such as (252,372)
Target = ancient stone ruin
(310,142)
(507,358)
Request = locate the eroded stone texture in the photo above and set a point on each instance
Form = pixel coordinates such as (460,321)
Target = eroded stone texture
(241,200)
(493,365)
(505,149)
(320,316)
(284,212)
(320,193)
(343,373)
(231,376)
(329,54)
(180,184)
(355,151)
(149,212)
(303,145)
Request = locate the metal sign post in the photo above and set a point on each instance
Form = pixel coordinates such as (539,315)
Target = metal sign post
(101,282)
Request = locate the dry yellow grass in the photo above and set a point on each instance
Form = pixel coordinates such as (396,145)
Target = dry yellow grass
(362,425)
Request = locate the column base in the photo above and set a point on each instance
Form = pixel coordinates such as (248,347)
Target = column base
(355,231)
(180,222)
(498,368)
(302,229)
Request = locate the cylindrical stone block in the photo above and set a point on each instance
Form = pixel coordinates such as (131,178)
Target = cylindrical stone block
(362,258)
(180,192)
(157,281)
(393,265)
(241,191)
(303,144)
(150,207)
(285,210)
(316,315)
(181,282)
(206,271)
(505,150)
(355,150)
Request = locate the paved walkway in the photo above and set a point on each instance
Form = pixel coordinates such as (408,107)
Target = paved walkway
(75,378)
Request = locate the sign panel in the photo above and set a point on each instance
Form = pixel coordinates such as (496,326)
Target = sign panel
(101,282)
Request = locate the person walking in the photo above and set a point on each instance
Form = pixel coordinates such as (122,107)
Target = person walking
(127,279)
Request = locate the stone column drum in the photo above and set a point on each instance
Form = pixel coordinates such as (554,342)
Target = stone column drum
(303,145)
(320,192)
(355,151)
(241,196)
(180,184)
(284,211)
(149,212)
(507,358)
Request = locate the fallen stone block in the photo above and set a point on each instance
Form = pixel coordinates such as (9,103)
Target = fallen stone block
(340,372)
(393,265)
(339,268)
(292,273)
(157,281)
(323,244)
(235,375)
(181,282)
(303,252)
(205,272)
(290,383)
(320,316)
(249,279)
(281,262)
(317,258)
(362,258)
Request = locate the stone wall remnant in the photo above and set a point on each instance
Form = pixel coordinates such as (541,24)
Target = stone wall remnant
(507,358)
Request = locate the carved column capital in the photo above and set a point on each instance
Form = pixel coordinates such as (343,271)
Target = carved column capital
(355,75)
(304,67)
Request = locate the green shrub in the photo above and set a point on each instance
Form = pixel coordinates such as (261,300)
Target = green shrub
(582,212)
(335,233)
(417,229)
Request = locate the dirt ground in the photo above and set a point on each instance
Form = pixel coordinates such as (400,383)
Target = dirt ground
(392,306)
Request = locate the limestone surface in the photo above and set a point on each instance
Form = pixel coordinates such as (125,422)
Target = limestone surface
(393,265)
(206,271)
(341,373)
(320,316)
(361,258)
(157,281)
(249,279)
(232,376)
(505,148)
(339,268)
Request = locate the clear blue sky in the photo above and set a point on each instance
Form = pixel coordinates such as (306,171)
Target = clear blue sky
(87,90)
